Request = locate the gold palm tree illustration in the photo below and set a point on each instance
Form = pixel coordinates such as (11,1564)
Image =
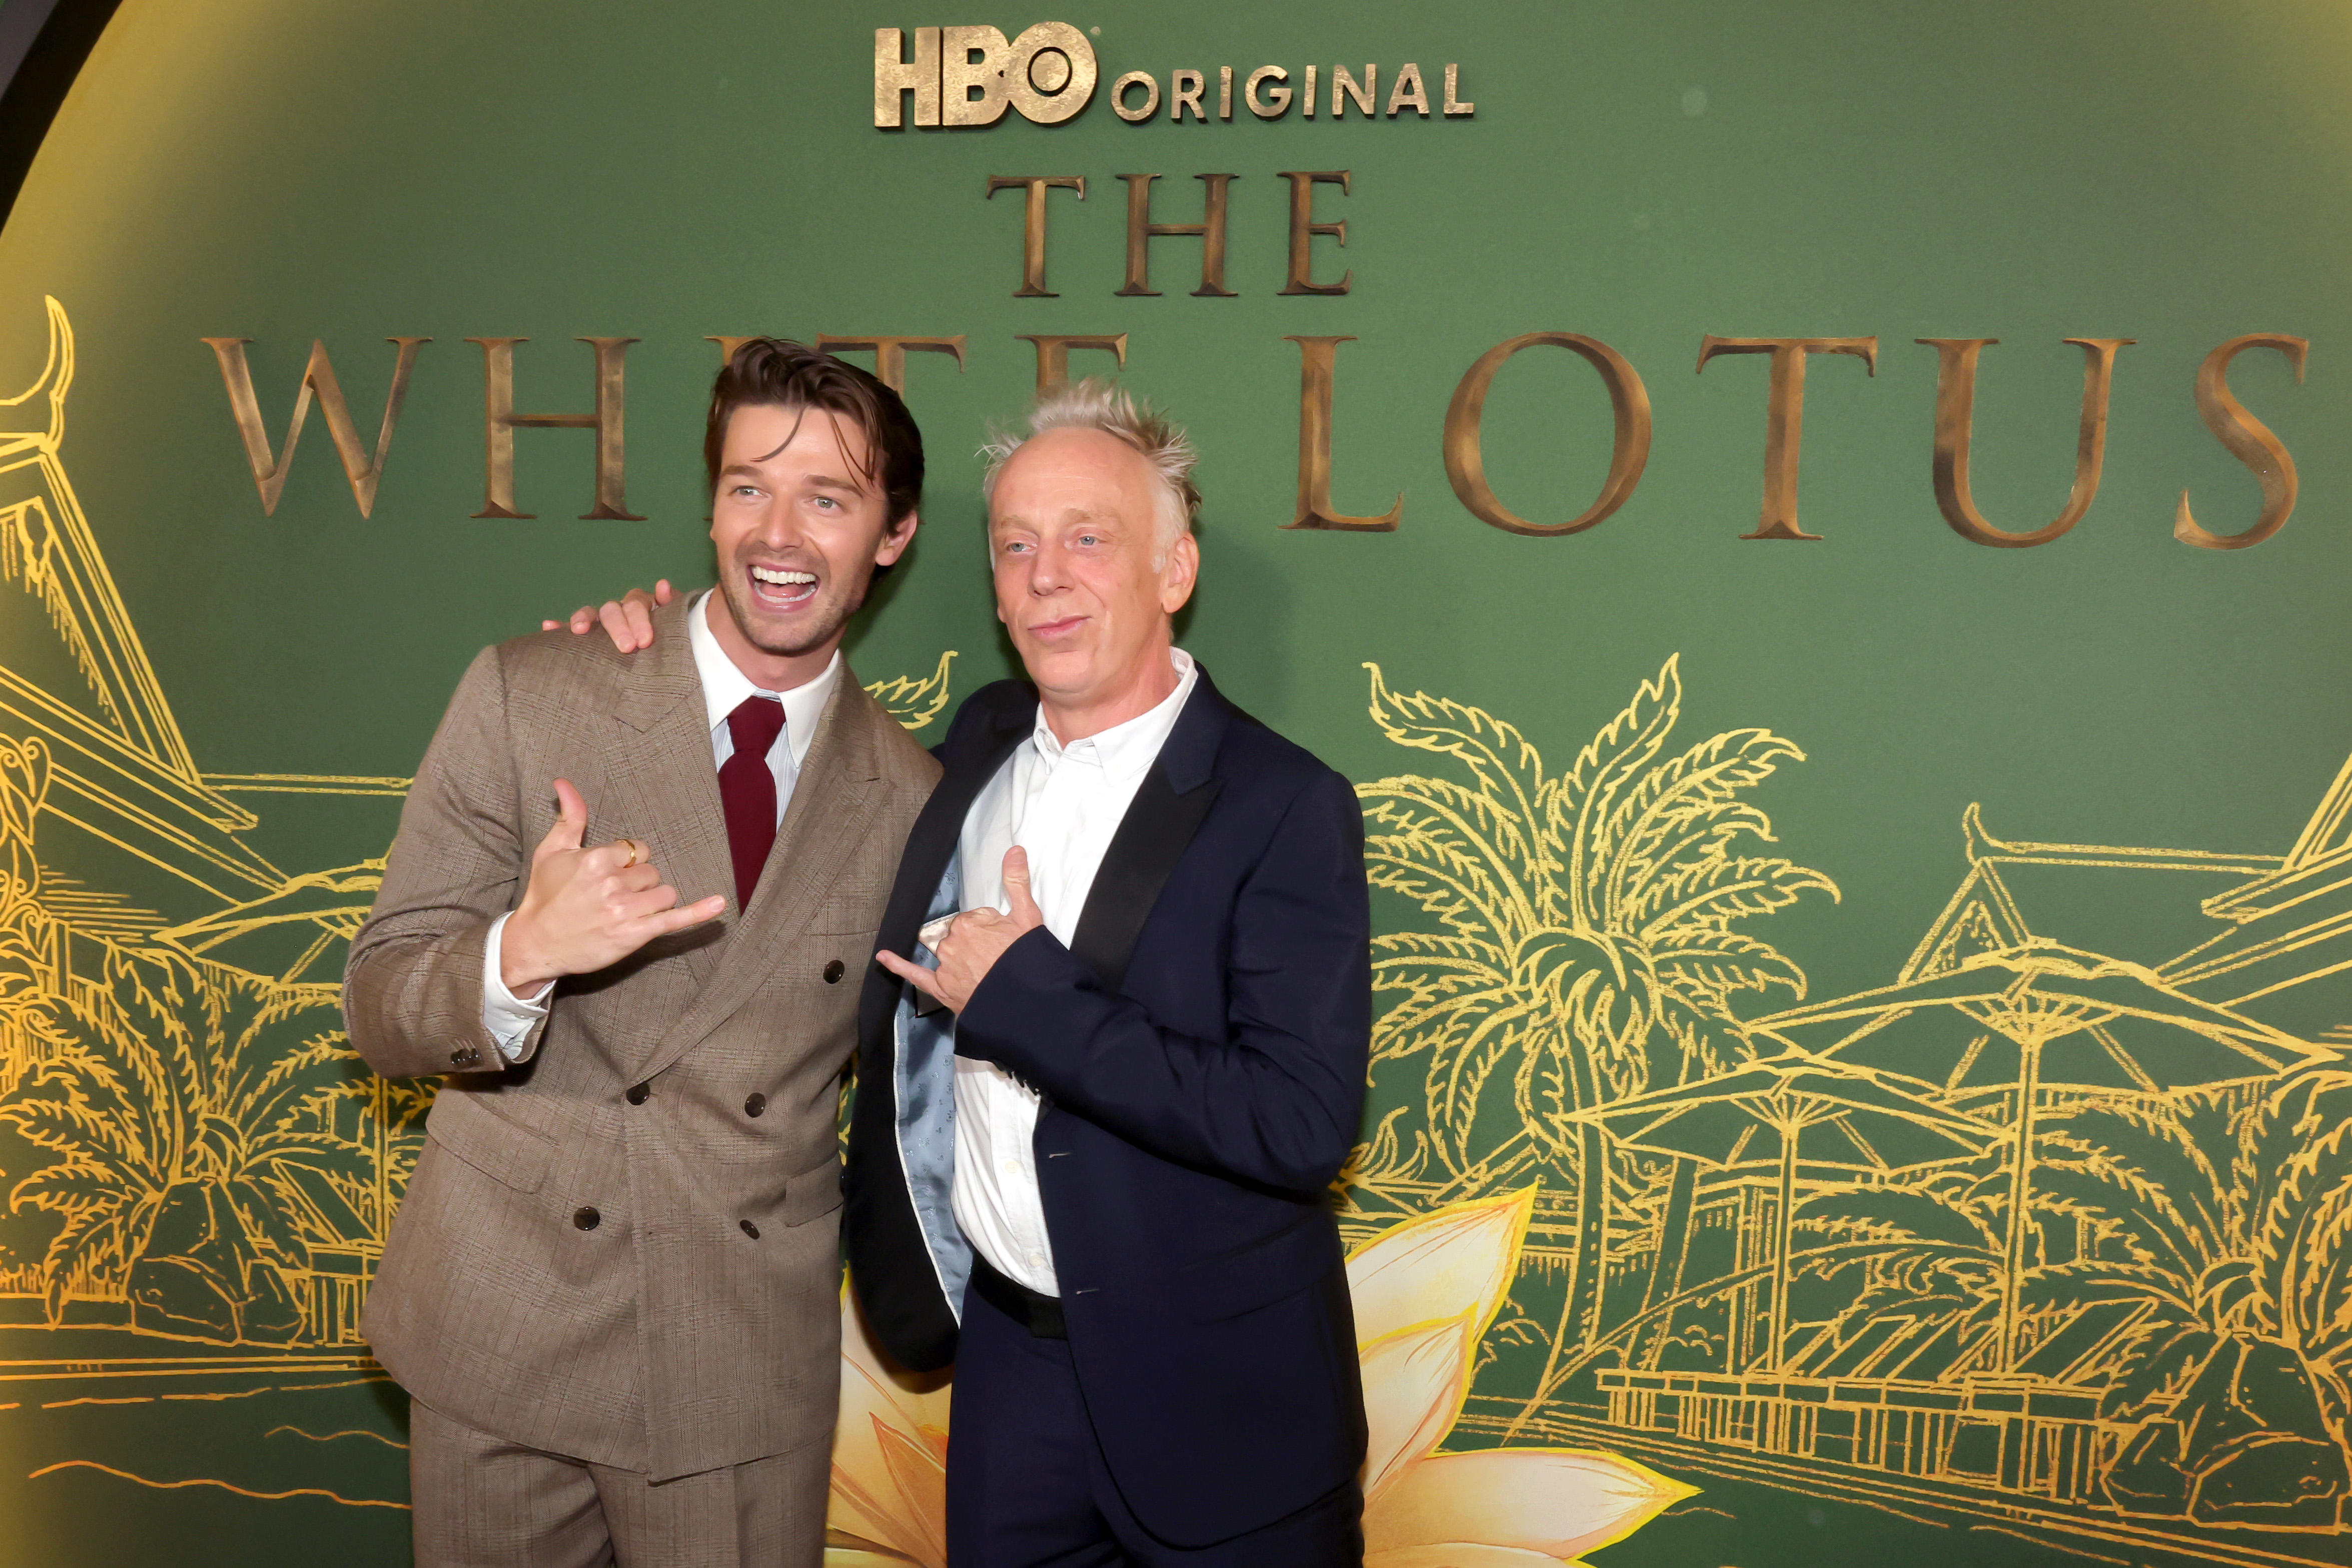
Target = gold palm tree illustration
(2235,1265)
(171,1074)
(1588,941)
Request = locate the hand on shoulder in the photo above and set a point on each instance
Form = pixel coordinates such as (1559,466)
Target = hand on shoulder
(628,620)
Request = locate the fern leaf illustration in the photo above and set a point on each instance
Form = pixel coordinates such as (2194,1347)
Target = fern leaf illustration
(1711,893)
(1576,807)
(1502,759)
(1690,801)
(1482,825)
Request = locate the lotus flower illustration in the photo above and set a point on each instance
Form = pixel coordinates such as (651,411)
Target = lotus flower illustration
(1426,1292)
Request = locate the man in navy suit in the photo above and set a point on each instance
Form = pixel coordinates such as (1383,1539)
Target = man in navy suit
(1112,1059)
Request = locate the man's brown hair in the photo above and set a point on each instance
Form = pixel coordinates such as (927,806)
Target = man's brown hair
(779,373)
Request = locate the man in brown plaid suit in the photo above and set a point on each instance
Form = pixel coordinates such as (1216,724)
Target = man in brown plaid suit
(612,1288)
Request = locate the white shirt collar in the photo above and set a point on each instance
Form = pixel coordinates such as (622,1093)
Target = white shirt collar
(1128,748)
(725,685)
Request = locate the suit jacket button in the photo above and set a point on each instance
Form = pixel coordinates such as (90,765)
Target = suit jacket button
(833,972)
(751,1230)
(637,1093)
(586,1218)
(755,1103)
(457,1057)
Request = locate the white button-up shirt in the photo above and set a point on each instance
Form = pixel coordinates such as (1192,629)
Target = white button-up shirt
(508,1017)
(1061,803)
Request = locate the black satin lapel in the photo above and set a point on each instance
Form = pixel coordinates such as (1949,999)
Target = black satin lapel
(1151,838)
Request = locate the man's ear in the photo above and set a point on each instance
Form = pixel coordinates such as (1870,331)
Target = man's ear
(895,539)
(1182,573)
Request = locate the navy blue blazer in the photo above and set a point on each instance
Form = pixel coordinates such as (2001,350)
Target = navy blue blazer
(1200,1047)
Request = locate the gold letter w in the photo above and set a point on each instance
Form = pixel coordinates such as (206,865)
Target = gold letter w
(270,473)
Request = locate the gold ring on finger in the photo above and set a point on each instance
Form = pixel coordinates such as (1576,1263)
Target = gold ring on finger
(633,854)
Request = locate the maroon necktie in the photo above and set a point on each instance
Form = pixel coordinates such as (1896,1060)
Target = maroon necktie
(747,790)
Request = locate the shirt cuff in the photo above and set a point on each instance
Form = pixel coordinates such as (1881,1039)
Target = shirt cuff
(508,1017)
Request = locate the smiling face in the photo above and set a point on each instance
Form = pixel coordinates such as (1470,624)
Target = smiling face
(798,529)
(1073,531)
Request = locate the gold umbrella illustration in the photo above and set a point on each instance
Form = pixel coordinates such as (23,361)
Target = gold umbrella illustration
(1845,1115)
(2038,1014)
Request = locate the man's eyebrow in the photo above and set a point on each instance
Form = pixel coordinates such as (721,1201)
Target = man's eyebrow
(1068,517)
(819,482)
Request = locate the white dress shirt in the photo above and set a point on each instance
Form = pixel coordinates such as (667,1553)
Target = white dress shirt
(1061,803)
(508,1017)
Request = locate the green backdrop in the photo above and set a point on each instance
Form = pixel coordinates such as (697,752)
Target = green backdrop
(2150,729)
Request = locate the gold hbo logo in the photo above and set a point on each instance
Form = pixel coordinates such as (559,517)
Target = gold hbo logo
(966,76)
